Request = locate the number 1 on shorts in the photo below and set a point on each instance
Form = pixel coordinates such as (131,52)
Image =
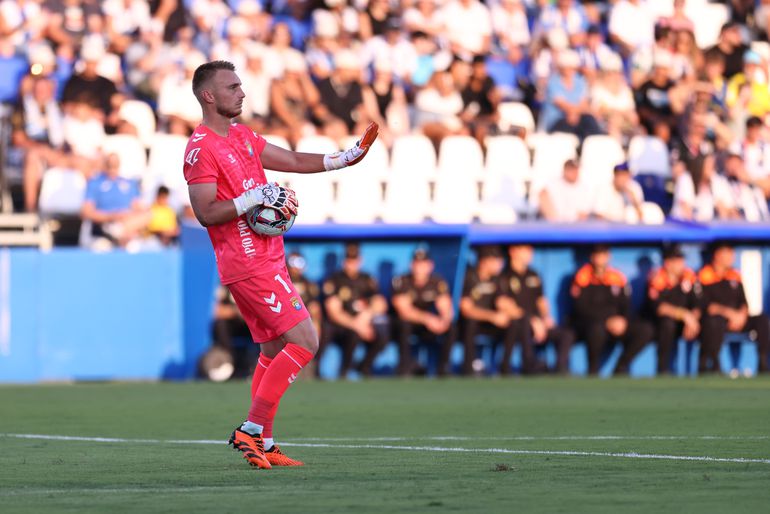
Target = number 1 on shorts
(283,283)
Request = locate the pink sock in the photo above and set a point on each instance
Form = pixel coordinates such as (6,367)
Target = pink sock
(262,363)
(283,370)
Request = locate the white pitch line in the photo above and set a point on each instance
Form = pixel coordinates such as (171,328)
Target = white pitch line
(438,449)
(130,490)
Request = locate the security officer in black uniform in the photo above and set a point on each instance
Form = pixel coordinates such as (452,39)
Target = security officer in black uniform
(423,305)
(602,311)
(673,304)
(725,310)
(307,289)
(522,298)
(478,306)
(355,312)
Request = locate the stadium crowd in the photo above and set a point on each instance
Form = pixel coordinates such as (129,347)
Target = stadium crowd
(503,305)
(76,73)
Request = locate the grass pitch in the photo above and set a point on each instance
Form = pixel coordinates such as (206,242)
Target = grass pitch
(394,446)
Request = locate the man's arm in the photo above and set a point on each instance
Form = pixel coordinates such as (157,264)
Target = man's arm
(337,313)
(407,311)
(209,210)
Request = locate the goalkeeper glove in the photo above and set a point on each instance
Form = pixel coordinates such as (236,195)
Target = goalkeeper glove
(280,198)
(351,156)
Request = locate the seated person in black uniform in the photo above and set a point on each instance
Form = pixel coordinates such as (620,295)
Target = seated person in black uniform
(307,289)
(725,310)
(673,304)
(424,308)
(355,312)
(522,298)
(478,306)
(602,313)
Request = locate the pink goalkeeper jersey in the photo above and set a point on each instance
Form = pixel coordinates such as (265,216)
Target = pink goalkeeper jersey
(233,163)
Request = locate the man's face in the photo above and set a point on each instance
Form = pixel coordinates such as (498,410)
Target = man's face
(491,265)
(521,254)
(600,259)
(724,257)
(621,180)
(225,87)
(571,174)
(351,266)
(112,164)
(422,269)
(674,266)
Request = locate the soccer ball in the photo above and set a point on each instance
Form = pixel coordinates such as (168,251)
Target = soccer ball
(267,221)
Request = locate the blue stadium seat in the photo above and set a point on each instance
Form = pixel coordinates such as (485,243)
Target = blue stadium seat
(657,189)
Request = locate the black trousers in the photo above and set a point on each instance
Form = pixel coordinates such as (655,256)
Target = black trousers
(441,343)
(244,356)
(348,340)
(668,331)
(713,331)
(505,336)
(637,335)
(563,338)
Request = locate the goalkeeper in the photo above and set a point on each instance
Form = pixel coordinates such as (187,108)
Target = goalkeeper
(224,168)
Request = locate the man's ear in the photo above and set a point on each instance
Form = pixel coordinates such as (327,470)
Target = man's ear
(207,96)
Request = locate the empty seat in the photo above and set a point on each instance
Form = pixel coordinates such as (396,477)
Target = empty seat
(413,156)
(551,151)
(709,18)
(455,198)
(515,115)
(407,199)
(502,198)
(315,194)
(130,150)
(508,156)
(140,115)
(280,142)
(62,191)
(359,196)
(460,155)
(317,144)
(165,167)
(648,155)
(599,156)
(375,164)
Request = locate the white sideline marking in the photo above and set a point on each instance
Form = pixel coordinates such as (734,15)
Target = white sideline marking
(439,449)
(118,490)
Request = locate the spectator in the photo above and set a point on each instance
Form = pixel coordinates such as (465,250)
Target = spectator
(226,359)
(523,300)
(344,17)
(355,312)
(307,289)
(88,86)
(713,70)
(176,102)
(631,25)
(673,304)
(479,311)
(621,200)
(424,309)
(567,15)
(374,20)
(480,101)
(292,100)
(342,101)
(323,47)
(68,21)
(643,59)
(755,151)
(393,48)
(657,103)
(725,309)
(602,312)
(687,58)
(84,129)
(545,56)
(236,47)
(385,103)
(256,85)
(747,93)
(12,68)
(612,100)
(566,199)
(748,199)
(208,19)
(730,45)
(566,106)
(468,27)
(689,151)
(509,25)
(163,223)
(424,17)
(596,55)
(678,21)
(702,195)
(438,108)
(123,20)
(114,207)
(510,73)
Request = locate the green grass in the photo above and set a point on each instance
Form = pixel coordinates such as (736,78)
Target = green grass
(73,476)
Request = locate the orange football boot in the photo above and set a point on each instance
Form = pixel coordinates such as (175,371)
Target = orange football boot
(277,458)
(252,446)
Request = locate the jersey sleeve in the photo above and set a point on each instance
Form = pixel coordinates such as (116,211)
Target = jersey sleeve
(259,142)
(200,166)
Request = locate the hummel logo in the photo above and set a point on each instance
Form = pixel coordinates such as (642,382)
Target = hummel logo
(292,378)
(232,159)
(197,137)
(271,301)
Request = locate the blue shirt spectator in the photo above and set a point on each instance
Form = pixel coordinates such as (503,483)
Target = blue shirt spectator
(111,194)
(12,70)
(557,89)
(508,76)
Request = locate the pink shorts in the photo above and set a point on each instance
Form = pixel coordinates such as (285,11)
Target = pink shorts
(269,304)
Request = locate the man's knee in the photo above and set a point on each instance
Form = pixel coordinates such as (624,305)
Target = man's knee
(304,335)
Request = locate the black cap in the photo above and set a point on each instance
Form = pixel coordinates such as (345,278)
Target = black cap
(489,251)
(719,244)
(672,251)
(352,251)
(600,248)
(421,254)
(623,166)
(753,121)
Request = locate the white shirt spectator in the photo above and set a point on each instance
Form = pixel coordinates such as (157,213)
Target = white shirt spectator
(749,201)
(613,205)
(127,19)
(573,22)
(756,157)
(510,23)
(571,201)
(702,204)
(402,56)
(633,21)
(433,107)
(415,19)
(621,100)
(467,26)
(176,98)
(84,135)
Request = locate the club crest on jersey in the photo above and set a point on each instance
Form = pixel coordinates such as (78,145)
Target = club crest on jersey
(295,303)
(250,149)
(192,157)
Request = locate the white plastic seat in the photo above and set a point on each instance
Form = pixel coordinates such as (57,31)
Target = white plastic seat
(62,191)
(165,168)
(515,114)
(317,144)
(359,196)
(315,194)
(460,155)
(130,150)
(652,214)
(648,155)
(508,156)
(599,156)
(455,198)
(413,207)
(413,156)
(375,164)
(709,18)
(502,197)
(140,115)
(551,151)
(280,142)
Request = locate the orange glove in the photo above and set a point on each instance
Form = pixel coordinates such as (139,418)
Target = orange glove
(351,156)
